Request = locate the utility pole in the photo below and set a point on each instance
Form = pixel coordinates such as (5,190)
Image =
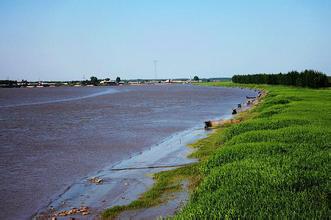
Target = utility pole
(155,69)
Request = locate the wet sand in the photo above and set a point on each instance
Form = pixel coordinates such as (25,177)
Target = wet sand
(167,209)
(125,181)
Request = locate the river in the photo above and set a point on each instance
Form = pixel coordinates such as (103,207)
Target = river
(50,137)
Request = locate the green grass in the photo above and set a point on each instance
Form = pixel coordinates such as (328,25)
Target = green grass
(276,163)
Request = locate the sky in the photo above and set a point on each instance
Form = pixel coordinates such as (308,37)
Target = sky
(74,39)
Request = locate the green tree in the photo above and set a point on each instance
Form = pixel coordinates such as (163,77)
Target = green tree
(196,78)
(118,79)
(94,80)
(306,78)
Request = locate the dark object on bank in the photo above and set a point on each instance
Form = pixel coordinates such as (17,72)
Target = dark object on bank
(221,122)
(208,124)
(234,111)
(239,105)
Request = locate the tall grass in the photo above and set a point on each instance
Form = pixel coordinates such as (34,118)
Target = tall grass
(274,164)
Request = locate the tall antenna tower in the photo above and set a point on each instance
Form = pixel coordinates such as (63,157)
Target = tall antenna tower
(155,68)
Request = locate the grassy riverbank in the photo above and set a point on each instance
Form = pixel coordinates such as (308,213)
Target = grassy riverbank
(274,163)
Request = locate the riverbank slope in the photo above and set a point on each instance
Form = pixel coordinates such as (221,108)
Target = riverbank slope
(274,163)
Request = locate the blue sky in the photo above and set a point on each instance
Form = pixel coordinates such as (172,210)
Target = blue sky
(67,39)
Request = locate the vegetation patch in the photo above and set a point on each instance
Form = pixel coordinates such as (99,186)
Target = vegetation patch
(166,182)
(274,164)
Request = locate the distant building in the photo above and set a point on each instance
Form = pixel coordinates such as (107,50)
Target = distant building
(134,82)
(107,83)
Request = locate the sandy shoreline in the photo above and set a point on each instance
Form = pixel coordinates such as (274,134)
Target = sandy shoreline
(123,182)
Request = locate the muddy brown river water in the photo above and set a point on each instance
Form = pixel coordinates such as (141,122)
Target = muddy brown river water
(51,137)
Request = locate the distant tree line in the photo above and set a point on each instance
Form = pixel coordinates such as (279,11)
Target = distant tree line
(95,81)
(8,83)
(92,81)
(306,78)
